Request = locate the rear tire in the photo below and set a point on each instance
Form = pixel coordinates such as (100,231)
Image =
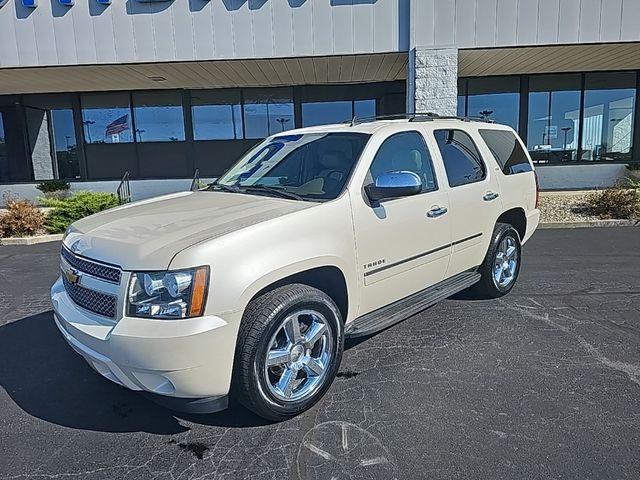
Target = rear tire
(501,265)
(288,351)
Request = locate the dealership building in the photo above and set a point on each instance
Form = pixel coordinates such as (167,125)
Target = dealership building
(92,89)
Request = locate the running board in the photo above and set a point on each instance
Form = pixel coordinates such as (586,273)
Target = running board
(402,309)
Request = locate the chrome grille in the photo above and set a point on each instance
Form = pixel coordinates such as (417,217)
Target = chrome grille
(97,302)
(110,274)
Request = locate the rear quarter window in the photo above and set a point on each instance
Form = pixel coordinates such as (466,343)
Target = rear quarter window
(507,150)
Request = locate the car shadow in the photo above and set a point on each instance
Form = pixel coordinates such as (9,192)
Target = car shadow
(50,381)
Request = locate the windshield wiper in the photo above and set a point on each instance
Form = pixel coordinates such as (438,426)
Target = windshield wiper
(276,191)
(221,186)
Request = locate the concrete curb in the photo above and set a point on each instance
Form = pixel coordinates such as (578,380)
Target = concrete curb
(31,240)
(591,223)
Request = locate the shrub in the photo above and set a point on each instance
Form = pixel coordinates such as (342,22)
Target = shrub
(77,206)
(21,219)
(49,186)
(615,202)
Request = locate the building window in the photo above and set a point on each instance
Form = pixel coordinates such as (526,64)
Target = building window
(323,113)
(267,111)
(495,98)
(106,118)
(554,118)
(65,145)
(158,116)
(216,115)
(607,128)
(364,108)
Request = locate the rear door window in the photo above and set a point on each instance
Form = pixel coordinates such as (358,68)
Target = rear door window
(507,150)
(461,157)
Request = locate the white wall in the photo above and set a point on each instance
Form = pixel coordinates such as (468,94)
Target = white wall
(501,23)
(565,177)
(132,31)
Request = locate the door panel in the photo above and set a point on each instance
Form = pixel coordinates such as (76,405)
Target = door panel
(473,195)
(403,244)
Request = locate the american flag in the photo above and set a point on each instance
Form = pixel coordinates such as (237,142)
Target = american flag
(118,125)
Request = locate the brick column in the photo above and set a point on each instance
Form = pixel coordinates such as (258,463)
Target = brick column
(432,82)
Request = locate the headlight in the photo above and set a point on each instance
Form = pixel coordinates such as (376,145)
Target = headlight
(178,294)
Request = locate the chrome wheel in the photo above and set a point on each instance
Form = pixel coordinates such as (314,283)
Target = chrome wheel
(505,264)
(298,356)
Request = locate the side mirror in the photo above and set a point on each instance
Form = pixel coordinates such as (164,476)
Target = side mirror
(394,185)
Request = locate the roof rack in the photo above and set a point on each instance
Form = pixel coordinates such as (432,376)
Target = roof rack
(416,117)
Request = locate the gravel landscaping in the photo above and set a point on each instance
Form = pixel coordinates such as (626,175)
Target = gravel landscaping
(565,207)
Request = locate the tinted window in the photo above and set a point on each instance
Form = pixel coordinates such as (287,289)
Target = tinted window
(507,150)
(268,111)
(106,118)
(159,116)
(461,158)
(405,151)
(216,115)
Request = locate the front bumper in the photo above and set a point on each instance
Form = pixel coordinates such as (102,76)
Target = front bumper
(190,359)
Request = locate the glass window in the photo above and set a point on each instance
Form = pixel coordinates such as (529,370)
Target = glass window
(461,158)
(106,118)
(314,166)
(462,97)
(607,128)
(507,151)
(66,148)
(405,151)
(159,116)
(497,98)
(267,111)
(216,115)
(554,117)
(323,113)
(364,108)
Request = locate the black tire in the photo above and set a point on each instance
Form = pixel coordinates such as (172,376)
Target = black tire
(262,319)
(488,287)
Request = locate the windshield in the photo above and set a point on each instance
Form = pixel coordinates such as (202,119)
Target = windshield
(311,166)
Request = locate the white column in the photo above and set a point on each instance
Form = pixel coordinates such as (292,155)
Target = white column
(432,83)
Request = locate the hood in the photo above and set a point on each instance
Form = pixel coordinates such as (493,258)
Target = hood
(148,234)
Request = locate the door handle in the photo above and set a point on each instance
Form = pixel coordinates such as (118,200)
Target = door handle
(437,212)
(490,196)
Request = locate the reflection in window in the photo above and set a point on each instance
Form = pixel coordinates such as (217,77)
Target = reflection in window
(323,113)
(364,108)
(554,117)
(607,128)
(496,98)
(267,111)
(106,118)
(159,116)
(66,147)
(461,158)
(216,115)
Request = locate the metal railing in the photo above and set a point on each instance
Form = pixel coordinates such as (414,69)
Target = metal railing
(124,189)
(195,183)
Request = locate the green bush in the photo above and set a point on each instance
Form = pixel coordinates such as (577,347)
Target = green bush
(77,206)
(49,186)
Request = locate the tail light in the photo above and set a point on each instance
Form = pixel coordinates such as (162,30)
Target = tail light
(535,174)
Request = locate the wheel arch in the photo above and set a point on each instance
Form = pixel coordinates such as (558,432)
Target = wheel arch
(517,218)
(329,279)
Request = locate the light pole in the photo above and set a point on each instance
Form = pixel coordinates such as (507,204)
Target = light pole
(88,123)
(282,121)
(67,138)
(485,113)
(139,131)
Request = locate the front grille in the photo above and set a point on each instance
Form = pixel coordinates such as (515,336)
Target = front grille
(111,274)
(97,302)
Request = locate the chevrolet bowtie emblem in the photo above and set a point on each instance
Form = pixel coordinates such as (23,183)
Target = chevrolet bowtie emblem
(73,276)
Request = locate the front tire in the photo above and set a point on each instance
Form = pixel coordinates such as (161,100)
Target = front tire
(288,352)
(501,266)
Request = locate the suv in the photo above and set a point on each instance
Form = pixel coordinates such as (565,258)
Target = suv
(250,286)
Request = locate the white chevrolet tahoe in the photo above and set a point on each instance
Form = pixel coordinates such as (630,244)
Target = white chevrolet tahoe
(249,287)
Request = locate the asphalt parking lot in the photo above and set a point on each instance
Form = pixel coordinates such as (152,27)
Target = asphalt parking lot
(544,383)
